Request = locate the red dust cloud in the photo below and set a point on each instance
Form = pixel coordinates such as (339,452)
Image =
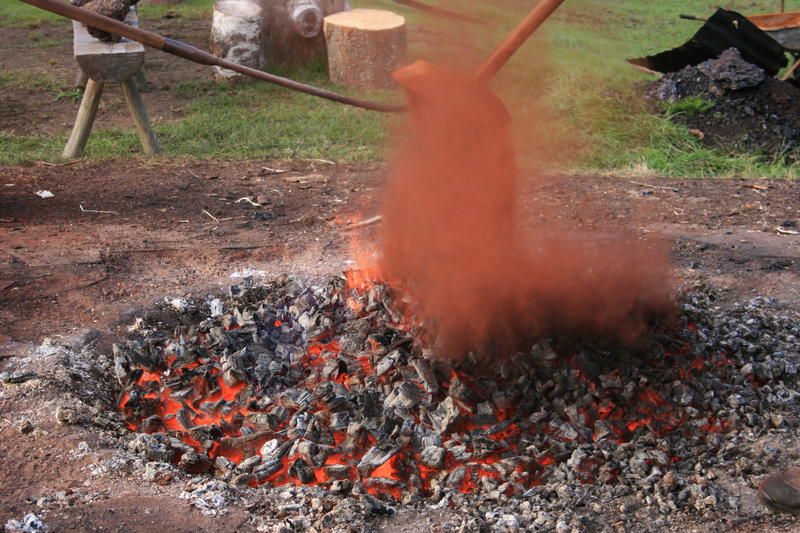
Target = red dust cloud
(454,237)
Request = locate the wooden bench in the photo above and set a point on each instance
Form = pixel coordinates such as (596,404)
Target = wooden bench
(104,63)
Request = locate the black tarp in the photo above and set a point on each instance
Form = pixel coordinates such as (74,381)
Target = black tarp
(725,29)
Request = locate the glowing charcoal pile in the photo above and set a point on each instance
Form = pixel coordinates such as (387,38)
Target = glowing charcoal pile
(331,386)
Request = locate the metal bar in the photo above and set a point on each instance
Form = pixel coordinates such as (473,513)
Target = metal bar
(516,38)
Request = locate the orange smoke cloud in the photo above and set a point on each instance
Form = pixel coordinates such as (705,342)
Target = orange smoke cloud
(454,238)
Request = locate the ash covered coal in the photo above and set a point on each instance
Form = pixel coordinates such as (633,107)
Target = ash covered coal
(738,108)
(337,396)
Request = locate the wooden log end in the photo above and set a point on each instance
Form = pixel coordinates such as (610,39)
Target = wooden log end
(366,19)
(364,47)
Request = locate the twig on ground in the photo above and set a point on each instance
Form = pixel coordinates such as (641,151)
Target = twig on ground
(215,219)
(64,164)
(365,222)
(234,247)
(97,211)
(15,256)
(647,70)
(274,170)
(672,189)
(248,200)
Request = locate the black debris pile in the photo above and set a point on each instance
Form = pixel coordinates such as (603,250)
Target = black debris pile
(732,104)
(723,30)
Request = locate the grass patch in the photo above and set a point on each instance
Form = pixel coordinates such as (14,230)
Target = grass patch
(264,121)
(22,79)
(231,122)
(14,13)
(21,150)
(686,107)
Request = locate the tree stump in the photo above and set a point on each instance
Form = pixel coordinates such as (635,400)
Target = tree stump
(364,47)
(236,36)
(293,31)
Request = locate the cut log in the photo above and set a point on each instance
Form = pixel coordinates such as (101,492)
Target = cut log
(293,31)
(236,36)
(364,47)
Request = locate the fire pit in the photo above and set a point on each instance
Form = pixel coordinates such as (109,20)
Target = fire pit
(333,388)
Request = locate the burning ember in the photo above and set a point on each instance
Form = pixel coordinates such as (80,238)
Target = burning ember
(334,386)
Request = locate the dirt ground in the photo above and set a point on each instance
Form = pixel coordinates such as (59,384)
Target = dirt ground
(178,229)
(119,236)
(174,229)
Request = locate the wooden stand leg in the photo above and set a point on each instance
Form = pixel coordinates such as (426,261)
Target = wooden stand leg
(81,79)
(135,105)
(83,123)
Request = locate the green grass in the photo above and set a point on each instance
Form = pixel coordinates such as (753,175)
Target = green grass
(687,107)
(22,79)
(584,83)
(230,122)
(14,13)
(266,121)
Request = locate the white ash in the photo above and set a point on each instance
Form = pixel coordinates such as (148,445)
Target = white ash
(211,497)
(30,523)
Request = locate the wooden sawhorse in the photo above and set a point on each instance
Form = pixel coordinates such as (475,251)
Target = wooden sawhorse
(104,63)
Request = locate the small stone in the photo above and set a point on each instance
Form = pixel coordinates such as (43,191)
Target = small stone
(30,523)
(433,457)
(17,376)
(82,338)
(66,416)
(159,473)
(25,427)
(195,463)
(508,523)
(668,482)
(283,528)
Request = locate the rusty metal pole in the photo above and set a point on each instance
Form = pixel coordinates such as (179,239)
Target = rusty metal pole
(516,38)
